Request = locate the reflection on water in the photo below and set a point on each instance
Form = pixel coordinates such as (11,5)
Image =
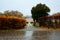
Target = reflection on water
(55,35)
(30,35)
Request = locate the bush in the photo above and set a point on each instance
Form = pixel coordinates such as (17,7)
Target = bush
(12,22)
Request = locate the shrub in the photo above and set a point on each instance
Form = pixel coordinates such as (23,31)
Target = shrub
(12,22)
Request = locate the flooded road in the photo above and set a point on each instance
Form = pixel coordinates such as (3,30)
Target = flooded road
(30,35)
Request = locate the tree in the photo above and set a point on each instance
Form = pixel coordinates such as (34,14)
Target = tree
(39,10)
(13,13)
(1,13)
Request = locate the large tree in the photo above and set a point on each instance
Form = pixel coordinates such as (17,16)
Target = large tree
(39,10)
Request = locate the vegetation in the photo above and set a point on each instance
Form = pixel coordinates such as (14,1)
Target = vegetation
(39,10)
(12,13)
(12,20)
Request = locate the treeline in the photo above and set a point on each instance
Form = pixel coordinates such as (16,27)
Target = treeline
(11,13)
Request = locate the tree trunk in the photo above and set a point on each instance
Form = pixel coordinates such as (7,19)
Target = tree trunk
(34,23)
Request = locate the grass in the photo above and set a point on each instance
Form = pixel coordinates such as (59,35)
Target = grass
(46,28)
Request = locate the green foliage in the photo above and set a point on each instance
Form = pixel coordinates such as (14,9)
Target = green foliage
(39,10)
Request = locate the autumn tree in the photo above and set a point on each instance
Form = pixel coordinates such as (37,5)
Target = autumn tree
(13,13)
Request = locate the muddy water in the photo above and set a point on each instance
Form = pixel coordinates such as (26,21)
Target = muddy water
(30,35)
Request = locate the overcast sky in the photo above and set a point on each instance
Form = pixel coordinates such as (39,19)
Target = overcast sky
(25,6)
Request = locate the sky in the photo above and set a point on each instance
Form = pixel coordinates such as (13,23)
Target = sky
(25,6)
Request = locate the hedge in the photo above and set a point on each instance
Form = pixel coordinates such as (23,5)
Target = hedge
(12,22)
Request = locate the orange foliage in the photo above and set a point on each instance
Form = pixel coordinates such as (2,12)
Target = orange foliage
(12,22)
